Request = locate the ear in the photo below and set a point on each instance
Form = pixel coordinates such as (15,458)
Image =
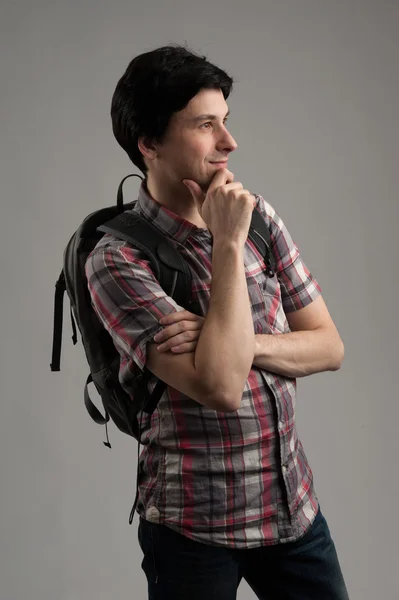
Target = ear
(147,148)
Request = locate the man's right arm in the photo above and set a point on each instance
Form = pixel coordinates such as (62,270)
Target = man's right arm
(129,301)
(215,374)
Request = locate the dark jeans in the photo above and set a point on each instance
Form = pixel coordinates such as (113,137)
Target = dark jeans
(178,568)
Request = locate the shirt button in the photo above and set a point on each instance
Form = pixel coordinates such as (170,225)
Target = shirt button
(284,469)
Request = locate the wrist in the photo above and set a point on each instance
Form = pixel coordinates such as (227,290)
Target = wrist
(262,346)
(222,244)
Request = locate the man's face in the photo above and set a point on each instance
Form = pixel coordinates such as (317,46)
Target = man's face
(196,139)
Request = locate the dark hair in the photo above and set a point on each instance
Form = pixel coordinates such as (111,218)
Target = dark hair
(155,85)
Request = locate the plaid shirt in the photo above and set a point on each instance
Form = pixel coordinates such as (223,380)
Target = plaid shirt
(240,479)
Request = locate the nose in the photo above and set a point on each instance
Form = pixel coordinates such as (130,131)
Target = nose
(226,142)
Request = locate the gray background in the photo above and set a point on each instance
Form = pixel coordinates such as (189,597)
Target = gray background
(315,114)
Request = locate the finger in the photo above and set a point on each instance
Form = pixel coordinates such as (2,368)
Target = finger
(235,185)
(183,348)
(182,338)
(179,331)
(176,329)
(221,177)
(180,315)
(196,192)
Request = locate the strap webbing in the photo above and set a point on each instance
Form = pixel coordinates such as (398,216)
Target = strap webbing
(57,327)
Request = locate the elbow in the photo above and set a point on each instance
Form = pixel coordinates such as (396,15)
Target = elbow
(223,402)
(230,400)
(338,356)
(232,405)
(225,397)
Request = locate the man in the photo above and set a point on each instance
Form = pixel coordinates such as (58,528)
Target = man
(225,487)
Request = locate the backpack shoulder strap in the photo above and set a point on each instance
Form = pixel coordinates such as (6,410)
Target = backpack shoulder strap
(169,267)
(259,234)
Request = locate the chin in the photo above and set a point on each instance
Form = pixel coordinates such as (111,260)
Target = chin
(206,182)
(203,180)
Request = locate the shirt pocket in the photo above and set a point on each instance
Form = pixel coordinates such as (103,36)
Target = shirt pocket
(268,312)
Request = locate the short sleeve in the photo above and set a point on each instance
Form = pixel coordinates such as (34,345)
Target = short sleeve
(127,298)
(298,286)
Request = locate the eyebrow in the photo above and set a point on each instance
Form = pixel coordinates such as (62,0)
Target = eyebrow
(208,117)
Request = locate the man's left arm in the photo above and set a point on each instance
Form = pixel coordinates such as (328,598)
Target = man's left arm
(313,343)
(312,346)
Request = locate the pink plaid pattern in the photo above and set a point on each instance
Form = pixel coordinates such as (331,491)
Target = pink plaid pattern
(241,479)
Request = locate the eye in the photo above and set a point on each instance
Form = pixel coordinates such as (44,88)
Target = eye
(204,125)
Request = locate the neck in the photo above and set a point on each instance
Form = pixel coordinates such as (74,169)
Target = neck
(176,198)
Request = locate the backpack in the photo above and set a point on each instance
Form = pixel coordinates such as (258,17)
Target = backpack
(103,358)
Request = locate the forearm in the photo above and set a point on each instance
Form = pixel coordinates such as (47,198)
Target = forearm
(299,353)
(226,346)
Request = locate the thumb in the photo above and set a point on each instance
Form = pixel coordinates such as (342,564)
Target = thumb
(195,190)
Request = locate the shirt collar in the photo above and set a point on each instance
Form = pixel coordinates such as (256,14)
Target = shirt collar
(166,220)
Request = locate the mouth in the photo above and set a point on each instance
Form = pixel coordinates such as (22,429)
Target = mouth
(221,163)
